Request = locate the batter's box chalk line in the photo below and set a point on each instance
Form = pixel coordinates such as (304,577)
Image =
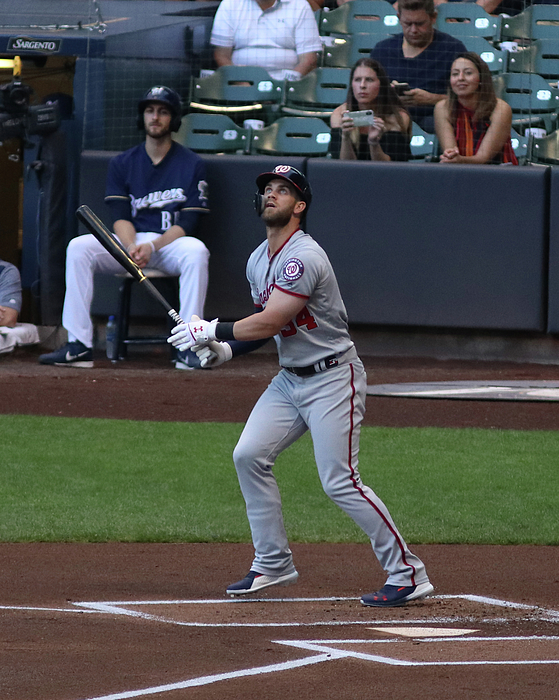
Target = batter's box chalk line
(328,651)
(129,608)
(378,650)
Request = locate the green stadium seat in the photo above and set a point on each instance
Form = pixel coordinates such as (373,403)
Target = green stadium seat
(290,136)
(546,150)
(318,93)
(541,57)
(495,59)
(212,133)
(535,22)
(345,52)
(520,146)
(533,101)
(461,19)
(236,90)
(360,16)
(423,145)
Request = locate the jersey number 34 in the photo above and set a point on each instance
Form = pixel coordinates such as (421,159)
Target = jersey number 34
(303,318)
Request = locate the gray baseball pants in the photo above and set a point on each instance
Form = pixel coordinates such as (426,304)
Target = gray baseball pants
(330,404)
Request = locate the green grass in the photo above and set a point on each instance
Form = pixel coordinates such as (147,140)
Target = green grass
(97,480)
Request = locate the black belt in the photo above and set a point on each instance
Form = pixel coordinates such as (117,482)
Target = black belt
(320,366)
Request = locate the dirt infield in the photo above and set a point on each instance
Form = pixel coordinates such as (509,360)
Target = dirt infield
(118,621)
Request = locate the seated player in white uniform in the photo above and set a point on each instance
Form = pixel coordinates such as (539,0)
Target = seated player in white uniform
(321,387)
(156,192)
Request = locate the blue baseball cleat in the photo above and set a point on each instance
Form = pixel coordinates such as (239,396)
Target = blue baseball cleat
(394,596)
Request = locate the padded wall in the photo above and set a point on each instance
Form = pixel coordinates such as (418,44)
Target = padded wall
(412,244)
(553,306)
(434,245)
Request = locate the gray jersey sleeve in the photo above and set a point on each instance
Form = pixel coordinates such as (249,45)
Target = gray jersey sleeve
(256,260)
(301,273)
(10,286)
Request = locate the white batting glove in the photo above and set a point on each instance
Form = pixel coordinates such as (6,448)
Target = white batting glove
(213,354)
(196,332)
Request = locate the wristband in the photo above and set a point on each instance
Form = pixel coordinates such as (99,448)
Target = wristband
(224,331)
(152,246)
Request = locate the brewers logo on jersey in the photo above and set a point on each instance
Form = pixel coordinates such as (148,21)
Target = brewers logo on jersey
(158,194)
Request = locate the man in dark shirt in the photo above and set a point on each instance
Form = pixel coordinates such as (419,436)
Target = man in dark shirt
(421,56)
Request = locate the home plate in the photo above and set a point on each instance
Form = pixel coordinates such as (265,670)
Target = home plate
(423,631)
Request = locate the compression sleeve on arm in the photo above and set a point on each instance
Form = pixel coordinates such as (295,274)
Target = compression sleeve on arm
(242,347)
(239,347)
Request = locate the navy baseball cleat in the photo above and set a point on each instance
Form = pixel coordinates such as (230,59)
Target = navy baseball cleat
(254,581)
(187,359)
(73,354)
(394,596)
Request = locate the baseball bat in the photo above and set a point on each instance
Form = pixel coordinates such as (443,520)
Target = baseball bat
(111,243)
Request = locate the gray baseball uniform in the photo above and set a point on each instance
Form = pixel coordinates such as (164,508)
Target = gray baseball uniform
(330,402)
(10,286)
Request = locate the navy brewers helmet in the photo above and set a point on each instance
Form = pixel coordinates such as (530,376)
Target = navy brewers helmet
(285,172)
(166,95)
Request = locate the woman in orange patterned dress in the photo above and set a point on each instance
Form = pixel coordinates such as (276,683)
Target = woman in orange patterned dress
(473,125)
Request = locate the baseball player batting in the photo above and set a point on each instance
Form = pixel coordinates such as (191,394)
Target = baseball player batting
(321,387)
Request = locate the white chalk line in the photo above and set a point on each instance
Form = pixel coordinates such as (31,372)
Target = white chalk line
(207,680)
(112,609)
(325,652)
(123,608)
(321,646)
(40,609)
(322,649)
(394,640)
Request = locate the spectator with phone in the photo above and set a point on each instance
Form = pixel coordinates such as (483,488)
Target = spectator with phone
(472,124)
(372,124)
(421,56)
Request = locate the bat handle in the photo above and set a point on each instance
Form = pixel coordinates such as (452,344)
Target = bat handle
(174,315)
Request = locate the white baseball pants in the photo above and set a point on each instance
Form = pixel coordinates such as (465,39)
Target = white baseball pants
(186,257)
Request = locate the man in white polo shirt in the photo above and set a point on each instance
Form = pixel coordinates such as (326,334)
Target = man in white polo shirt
(278,35)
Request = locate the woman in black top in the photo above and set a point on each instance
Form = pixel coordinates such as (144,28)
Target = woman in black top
(388,137)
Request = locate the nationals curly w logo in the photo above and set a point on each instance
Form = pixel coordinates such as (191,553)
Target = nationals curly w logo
(293,269)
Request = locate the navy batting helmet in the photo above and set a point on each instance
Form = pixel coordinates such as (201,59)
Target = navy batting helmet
(166,95)
(285,172)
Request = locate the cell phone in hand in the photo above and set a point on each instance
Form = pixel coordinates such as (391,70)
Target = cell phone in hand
(364,117)
(401,87)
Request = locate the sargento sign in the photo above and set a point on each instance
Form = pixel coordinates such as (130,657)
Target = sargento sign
(25,43)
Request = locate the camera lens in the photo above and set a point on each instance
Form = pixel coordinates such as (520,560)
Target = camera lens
(19,96)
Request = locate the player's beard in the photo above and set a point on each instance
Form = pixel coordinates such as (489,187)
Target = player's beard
(275,217)
(158,132)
